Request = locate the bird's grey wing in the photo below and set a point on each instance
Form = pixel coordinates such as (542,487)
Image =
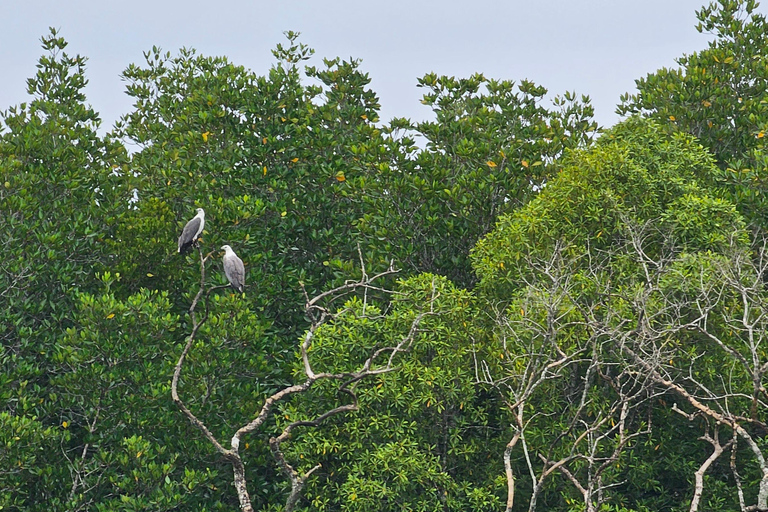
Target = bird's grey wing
(189,232)
(237,271)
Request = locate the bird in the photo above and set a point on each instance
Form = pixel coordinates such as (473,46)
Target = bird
(191,231)
(233,268)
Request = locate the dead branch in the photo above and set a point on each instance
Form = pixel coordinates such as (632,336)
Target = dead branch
(318,313)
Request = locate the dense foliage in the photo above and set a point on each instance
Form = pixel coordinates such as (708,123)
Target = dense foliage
(578,322)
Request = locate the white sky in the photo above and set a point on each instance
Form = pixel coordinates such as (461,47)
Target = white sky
(593,47)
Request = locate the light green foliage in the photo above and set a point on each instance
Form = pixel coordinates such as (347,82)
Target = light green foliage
(426,419)
(404,478)
(569,273)
(635,174)
(108,390)
(146,479)
(28,477)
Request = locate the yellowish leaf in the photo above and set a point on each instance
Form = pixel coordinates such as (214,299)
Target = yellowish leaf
(265,170)
(364,116)
(524,163)
(761,135)
(284,214)
(340,176)
(7,184)
(491,164)
(706,103)
(64,424)
(139,454)
(264,140)
(672,118)
(149,274)
(111,315)
(205,136)
(295,160)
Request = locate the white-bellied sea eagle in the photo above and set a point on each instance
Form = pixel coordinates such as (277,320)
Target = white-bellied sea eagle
(233,268)
(191,231)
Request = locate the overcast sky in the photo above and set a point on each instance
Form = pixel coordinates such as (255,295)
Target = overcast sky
(593,47)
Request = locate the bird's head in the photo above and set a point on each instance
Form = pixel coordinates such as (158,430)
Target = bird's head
(201,212)
(226,248)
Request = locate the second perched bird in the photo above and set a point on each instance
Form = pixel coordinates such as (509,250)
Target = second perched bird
(191,231)
(233,268)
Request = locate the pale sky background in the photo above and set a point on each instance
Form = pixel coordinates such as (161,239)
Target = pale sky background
(593,47)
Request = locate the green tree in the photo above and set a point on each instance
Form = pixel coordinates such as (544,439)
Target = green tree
(574,277)
(426,436)
(719,96)
(127,447)
(273,162)
(491,147)
(57,196)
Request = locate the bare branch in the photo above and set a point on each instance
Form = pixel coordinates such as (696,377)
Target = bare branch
(318,314)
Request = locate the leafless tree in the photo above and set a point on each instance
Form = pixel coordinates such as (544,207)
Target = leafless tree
(719,303)
(547,338)
(690,325)
(381,360)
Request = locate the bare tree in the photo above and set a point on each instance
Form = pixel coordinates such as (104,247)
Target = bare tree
(381,360)
(637,320)
(717,303)
(548,339)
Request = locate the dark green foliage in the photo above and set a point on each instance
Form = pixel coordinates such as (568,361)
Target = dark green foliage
(272,161)
(490,148)
(56,195)
(718,95)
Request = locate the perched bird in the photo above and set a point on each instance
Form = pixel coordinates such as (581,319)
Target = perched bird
(192,231)
(233,268)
